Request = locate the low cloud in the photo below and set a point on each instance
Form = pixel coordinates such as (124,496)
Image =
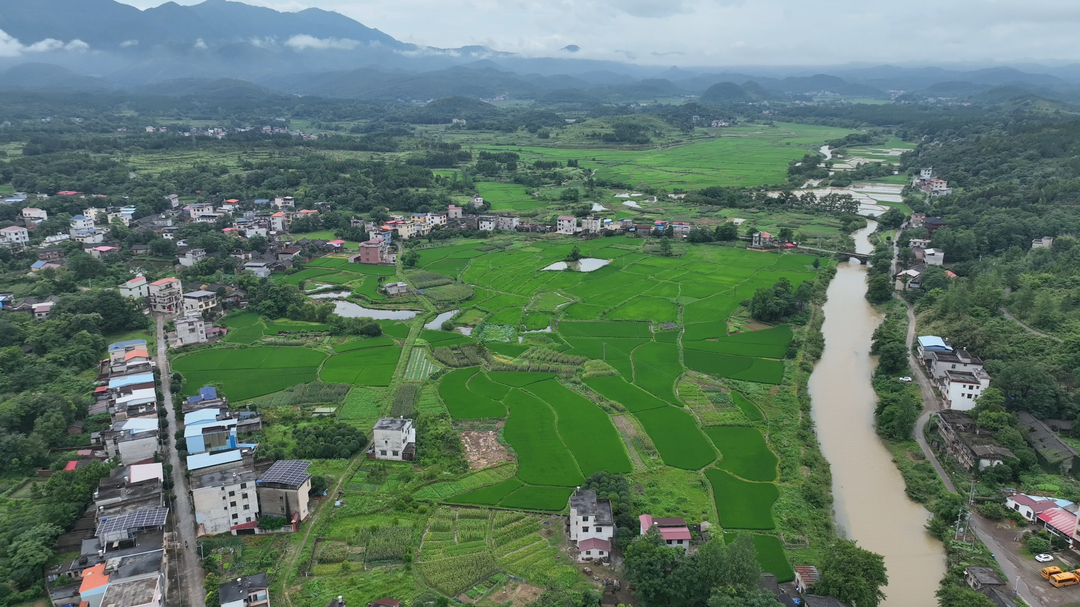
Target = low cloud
(304,41)
(199,44)
(267,42)
(129,43)
(11,47)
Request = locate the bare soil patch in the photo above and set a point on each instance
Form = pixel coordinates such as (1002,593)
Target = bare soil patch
(483,449)
(518,592)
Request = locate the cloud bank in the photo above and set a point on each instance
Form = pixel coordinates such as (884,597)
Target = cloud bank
(11,47)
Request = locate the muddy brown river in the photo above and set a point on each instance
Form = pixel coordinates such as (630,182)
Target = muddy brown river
(870,505)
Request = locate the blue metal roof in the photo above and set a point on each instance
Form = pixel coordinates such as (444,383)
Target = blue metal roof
(208,392)
(933,342)
(127,380)
(124,345)
(205,460)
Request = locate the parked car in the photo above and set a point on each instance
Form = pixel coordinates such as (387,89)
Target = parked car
(1044,558)
(905,379)
(1049,571)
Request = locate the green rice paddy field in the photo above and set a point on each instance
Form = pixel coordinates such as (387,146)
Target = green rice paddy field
(745,156)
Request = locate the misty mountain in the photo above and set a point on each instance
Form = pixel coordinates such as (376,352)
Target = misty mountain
(108,25)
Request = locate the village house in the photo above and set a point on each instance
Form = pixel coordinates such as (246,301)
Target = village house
(486,223)
(960,389)
(41,310)
(248,591)
(49,254)
(14,236)
(131,441)
(566,224)
(761,240)
(210,429)
(33,216)
(1031,506)
(592,525)
(393,439)
(190,330)
(681,228)
(224,500)
(673,531)
(507,223)
(191,257)
(396,288)
(197,302)
(279,222)
(166,296)
(928,344)
(982,577)
(591,225)
(284,490)
(1060,522)
(970,445)
(1045,242)
(1053,453)
(136,288)
(933,257)
(907,279)
(288,253)
(101,251)
(476,201)
(933,224)
(261,269)
(374,251)
(805,577)
(453,212)
(198,209)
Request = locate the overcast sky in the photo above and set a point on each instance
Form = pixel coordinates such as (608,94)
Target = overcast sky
(733,32)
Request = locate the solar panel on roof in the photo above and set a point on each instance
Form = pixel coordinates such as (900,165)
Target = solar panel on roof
(134,520)
(287,472)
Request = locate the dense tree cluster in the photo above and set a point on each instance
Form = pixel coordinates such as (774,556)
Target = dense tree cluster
(771,304)
(327,440)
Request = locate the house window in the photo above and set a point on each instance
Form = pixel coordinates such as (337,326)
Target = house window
(395,453)
(382,452)
(680,542)
(245,496)
(243,485)
(599,529)
(249,519)
(236,516)
(232,494)
(584,529)
(233,504)
(247,507)
(670,542)
(585,519)
(588,553)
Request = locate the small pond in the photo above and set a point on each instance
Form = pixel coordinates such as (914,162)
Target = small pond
(585,264)
(436,324)
(350,310)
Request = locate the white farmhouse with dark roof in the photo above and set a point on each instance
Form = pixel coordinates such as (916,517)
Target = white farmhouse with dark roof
(393,439)
(592,526)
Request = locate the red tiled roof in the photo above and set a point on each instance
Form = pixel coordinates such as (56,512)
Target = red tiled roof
(164,281)
(251,525)
(71,465)
(594,543)
(674,533)
(1060,519)
(807,573)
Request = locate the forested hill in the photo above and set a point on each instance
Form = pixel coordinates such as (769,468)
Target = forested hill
(1018,179)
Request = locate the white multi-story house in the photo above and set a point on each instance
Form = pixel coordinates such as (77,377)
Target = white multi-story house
(261,269)
(136,288)
(453,212)
(960,389)
(506,223)
(34,216)
(591,224)
(14,236)
(224,500)
(486,223)
(199,208)
(394,439)
(81,222)
(192,257)
(190,330)
(592,525)
(566,224)
(934,257)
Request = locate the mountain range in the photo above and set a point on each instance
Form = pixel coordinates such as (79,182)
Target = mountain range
(106,45)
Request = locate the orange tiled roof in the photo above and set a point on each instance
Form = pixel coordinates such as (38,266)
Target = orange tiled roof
(94,577)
